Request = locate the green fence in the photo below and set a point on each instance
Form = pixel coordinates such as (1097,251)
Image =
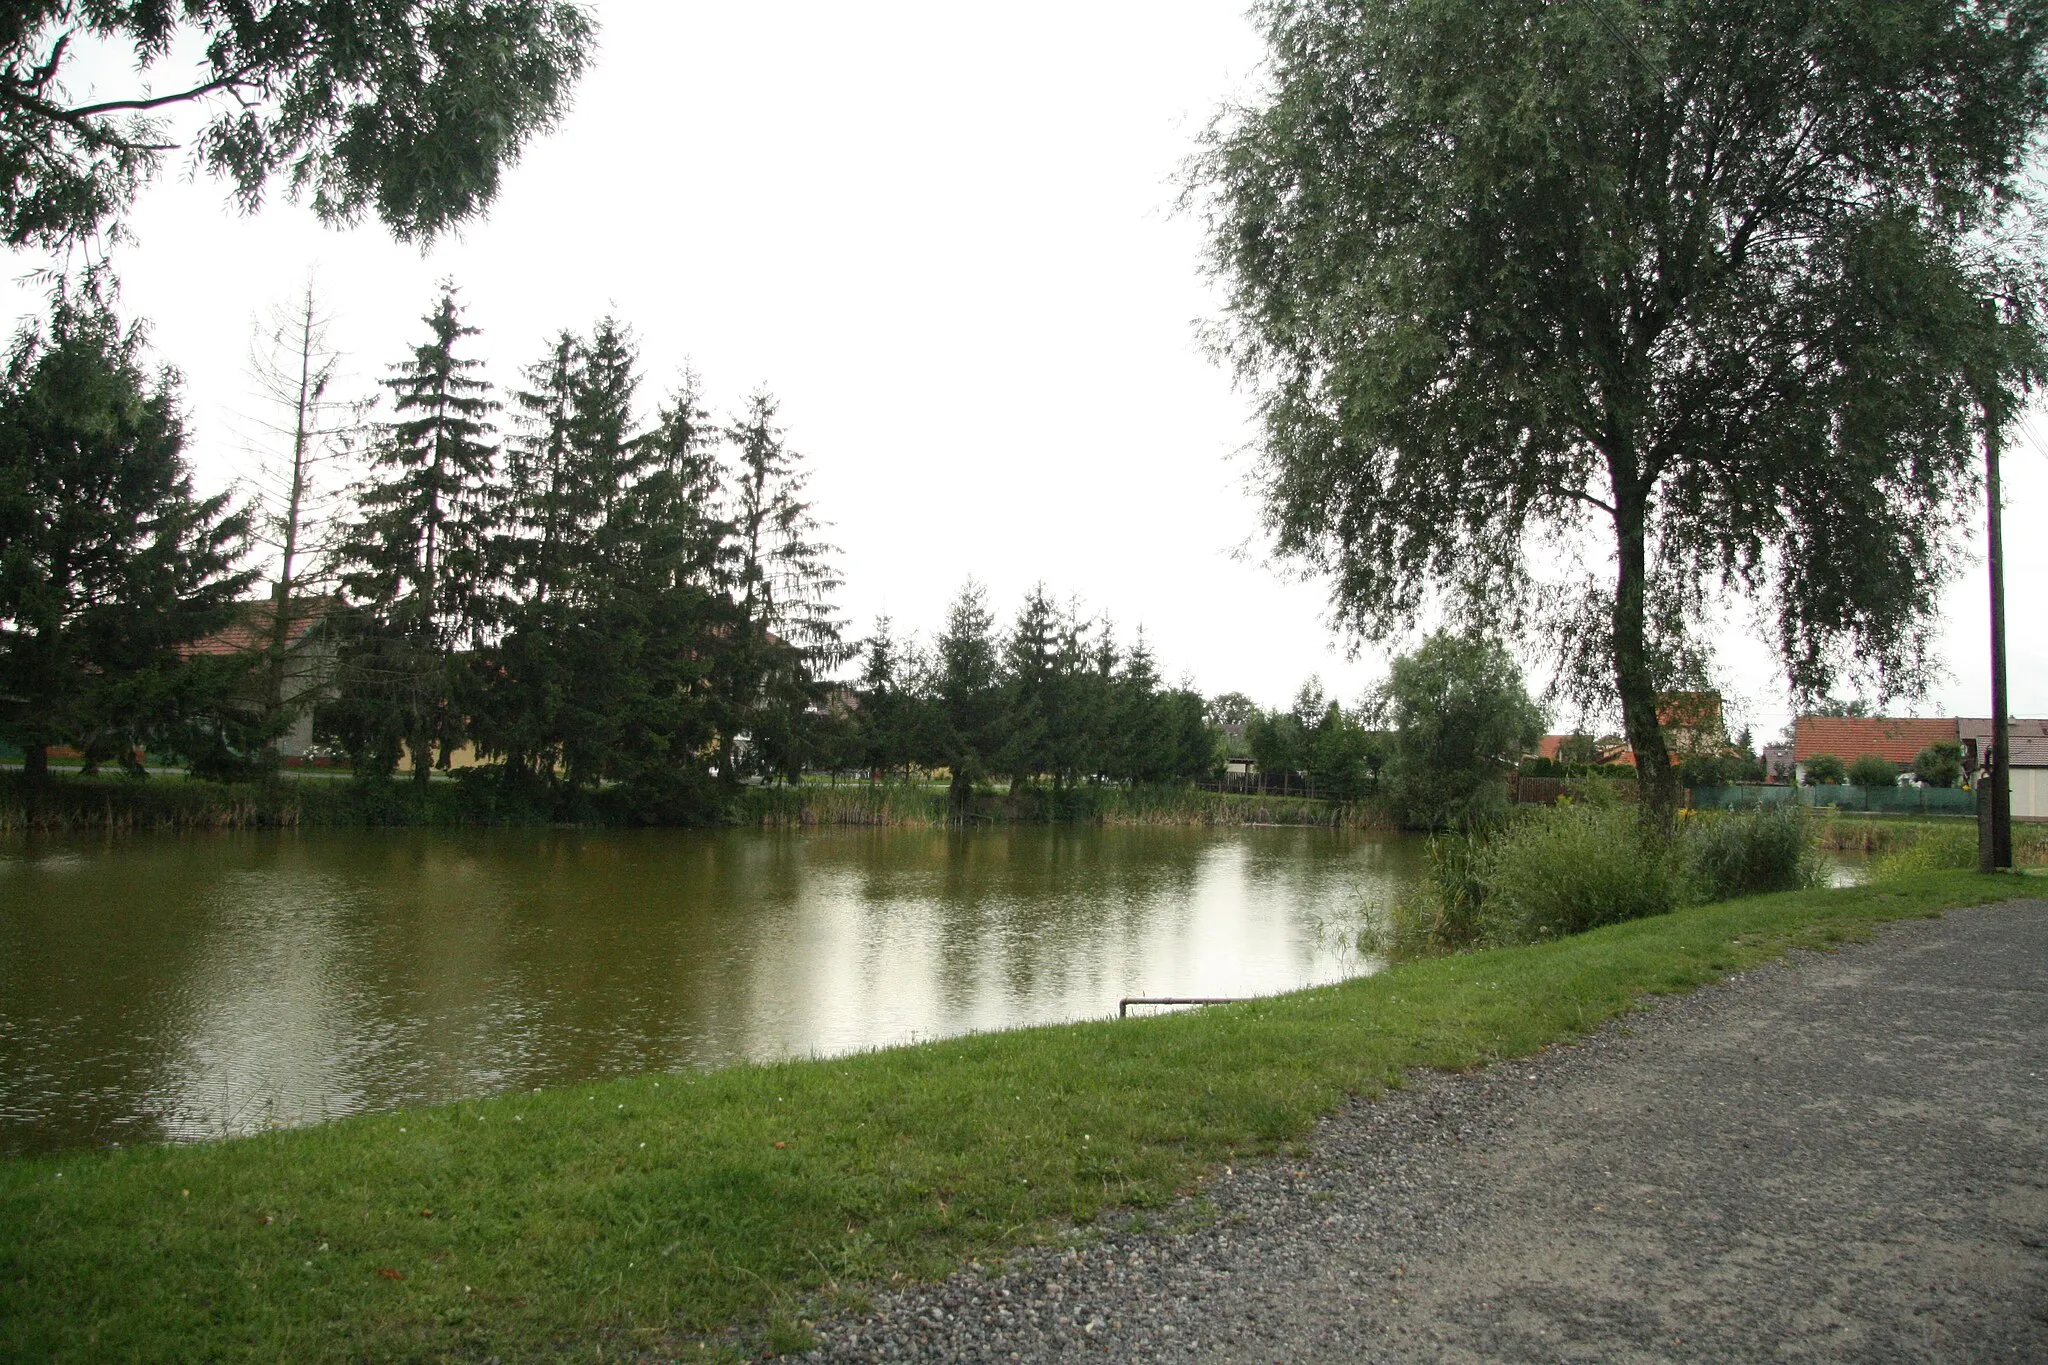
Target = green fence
(1883,800)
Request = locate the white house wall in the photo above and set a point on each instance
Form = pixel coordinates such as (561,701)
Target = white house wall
(2030,793)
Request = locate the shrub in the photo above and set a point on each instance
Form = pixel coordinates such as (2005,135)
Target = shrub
(1573,868)
(1751,852)
(1825,770)
(1939,764)
(1872,771)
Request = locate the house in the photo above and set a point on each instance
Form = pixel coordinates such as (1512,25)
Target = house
(1896,739)
(308,661)
(1779,765)
(1692,723)
(2028,761)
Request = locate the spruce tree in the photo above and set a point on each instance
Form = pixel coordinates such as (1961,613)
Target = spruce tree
(966,691)
(789,634)
(294,367)
(1031,691)
(1145,740)
(884,729)
(109,561)
(535,549)
(417,564)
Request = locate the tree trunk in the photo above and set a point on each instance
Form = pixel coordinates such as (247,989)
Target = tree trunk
(35,764)
(1656,781)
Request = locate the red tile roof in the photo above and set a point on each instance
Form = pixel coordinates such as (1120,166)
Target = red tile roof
(1849,738)
(250,632)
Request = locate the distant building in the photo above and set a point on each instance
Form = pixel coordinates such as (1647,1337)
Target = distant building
(1900,739)
(1892,738)
(2028,761)
(1778,764)
(1692,724)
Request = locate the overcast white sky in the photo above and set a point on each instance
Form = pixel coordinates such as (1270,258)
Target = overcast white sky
(944,235)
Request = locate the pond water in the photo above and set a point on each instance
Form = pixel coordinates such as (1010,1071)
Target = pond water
(196,987)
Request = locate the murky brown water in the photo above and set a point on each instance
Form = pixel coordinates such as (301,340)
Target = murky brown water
(192,987)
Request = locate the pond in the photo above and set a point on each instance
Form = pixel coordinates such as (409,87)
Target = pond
(196,987)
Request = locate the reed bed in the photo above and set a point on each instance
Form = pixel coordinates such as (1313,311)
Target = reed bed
(925,806)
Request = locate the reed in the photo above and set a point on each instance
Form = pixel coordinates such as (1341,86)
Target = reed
(926,806)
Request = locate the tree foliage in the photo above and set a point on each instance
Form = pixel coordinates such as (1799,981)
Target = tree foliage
(406,109)
(1053,700)
(1825,770)
(1939,764)
(1712,289)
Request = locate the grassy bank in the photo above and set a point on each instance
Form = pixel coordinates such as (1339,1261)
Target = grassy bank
(70,803)
(636,1215)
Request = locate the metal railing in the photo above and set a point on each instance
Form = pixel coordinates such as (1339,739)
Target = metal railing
(1123,1006)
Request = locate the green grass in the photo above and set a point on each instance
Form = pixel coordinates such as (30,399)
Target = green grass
(641,1214)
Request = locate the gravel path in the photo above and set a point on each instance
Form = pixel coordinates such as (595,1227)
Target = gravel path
(1844,1157)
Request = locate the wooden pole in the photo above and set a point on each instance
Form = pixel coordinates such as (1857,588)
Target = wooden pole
(1995,853)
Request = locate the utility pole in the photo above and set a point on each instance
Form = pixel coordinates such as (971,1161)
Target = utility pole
(1994,847)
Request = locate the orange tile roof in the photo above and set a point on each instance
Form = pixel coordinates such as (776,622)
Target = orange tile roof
(1895,739)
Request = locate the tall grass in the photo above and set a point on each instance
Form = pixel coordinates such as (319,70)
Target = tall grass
(1751,852)
(1554,872)
(166,803)
(483,797)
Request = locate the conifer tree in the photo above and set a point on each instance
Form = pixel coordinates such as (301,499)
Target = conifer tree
(783,583)
(885,733)
(1031,688)
(533,550)
(538,487)
(674,562)
(109,561)
(966,691)
(294,368)
(417,562)
(1144,748)
(684,488)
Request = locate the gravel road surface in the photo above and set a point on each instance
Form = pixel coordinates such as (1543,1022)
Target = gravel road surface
(1844,1157)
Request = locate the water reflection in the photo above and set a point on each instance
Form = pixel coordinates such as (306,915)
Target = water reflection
(193,987)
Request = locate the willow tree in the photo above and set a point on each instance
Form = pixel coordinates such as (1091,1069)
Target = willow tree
(1713,288)
(406,109)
